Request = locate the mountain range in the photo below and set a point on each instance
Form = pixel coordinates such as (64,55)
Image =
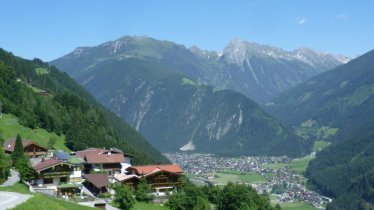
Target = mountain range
(162,89)
(261,71)
(257,71)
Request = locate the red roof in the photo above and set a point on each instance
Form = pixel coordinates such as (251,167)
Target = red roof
(9,145)
(99,180)
(152,168)
(47,164)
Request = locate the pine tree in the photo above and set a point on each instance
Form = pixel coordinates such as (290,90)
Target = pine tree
(18,153)
(5,165)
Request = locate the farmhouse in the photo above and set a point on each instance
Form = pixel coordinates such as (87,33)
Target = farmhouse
(58,176)
(30,148)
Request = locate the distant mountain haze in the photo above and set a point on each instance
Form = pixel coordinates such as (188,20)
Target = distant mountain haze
(257,71)
(165,91)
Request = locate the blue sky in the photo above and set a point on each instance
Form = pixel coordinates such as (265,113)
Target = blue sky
(50,29)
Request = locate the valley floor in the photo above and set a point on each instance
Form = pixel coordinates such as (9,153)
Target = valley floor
(281,177)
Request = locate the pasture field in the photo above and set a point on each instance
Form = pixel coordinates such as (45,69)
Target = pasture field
(9,128)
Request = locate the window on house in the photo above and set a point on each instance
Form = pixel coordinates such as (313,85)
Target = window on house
(48,181)
(63,179)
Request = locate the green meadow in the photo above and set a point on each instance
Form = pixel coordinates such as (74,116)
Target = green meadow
(297,206)
(9,128)
(237,176)
(42,202)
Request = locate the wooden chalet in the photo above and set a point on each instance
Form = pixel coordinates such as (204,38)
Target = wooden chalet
(30,148)
(161,178)
(109,161)
(62,176)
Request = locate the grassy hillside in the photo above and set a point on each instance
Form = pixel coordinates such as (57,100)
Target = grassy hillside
(42,202)
(147,206)
(297,206)
(69,110)
(10,127)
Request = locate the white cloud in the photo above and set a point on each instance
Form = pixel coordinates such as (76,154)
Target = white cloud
(300,21)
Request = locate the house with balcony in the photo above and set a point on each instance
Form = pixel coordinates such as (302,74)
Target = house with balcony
(30,148)
(58,177)
(111,162)
(161,178)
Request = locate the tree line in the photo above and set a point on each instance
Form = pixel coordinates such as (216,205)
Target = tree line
(191,197)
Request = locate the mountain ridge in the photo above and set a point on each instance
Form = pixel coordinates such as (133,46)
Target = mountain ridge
(257,71)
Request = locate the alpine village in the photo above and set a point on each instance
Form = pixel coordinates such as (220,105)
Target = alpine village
(187,105)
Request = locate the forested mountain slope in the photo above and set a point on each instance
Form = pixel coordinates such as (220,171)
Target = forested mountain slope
(342,98)
(68,109)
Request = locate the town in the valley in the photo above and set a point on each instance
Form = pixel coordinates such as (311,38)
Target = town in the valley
(272,175)
(91,171)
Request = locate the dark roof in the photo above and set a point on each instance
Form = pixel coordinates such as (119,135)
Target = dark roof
(98,180)
(47,164)
(9,144)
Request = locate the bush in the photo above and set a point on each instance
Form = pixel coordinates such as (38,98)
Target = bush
(143,191)
(123,197)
